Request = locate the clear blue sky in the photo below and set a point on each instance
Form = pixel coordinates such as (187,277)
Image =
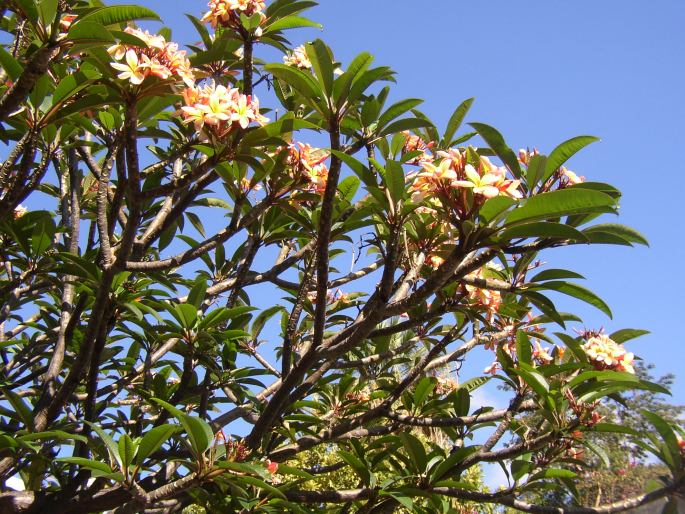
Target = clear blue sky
(543,71)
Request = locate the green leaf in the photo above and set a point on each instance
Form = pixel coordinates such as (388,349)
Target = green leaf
(118,14)
(455,121)
(533,378)
(555,274)
(260,484)
(365,79)
(57,435)
(626,334)
(422,390)
(599,451)
(415,450)
(544,229)
(298,80)
(524,350)
(196,295)
(442,469)
(578,292)
(127,450)
(405,124)
(89,32)
(462,402)
(564,152)
(626,233)
(322,63)
(495,141)
(10,64)
(357,167)
(348,188)
(553,473)
(394,179)
(21,408)
(342,85)
(397,110)
(28,9)
(187,314)
(536,169)
(563,202)
(43,235)
(291,22)
(93,465)
(112,447)
(356,464)
(667,435)
(47,9)
(200,434)
(153,440)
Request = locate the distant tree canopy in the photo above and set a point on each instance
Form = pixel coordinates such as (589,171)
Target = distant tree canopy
(208,304)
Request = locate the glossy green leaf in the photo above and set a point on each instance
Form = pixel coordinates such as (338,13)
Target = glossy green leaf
(89,32)
(200,434)
(322,63)
(92,465)
(563,202)
(564,152)
(578,292)
(455,121)
(398,109)
(614,229)
(118,14)
(153,440)
(544,229)
(290,22)
(10,64)
(495,141)
(127,450)
(626,334)
(394,179)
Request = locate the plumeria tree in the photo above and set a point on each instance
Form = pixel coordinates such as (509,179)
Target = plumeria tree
(205,303)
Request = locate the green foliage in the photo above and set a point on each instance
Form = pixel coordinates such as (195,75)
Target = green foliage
(183,326)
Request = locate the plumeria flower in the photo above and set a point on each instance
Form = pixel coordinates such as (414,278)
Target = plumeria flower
(456,157)
(298,58)
(604,353)
(227,12)
(571,177)
(482,185)
(217,110)
(132,70)
(542,354)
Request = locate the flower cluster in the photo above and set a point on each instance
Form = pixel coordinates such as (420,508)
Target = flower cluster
(226,13)
(217,110)
(308,162)
(570,178)
(488,299)
(445,385)
(159,59)
(414,143)
(298,58)
(604,353)
(452,172)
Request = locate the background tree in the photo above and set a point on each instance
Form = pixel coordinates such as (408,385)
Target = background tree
(174,326)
